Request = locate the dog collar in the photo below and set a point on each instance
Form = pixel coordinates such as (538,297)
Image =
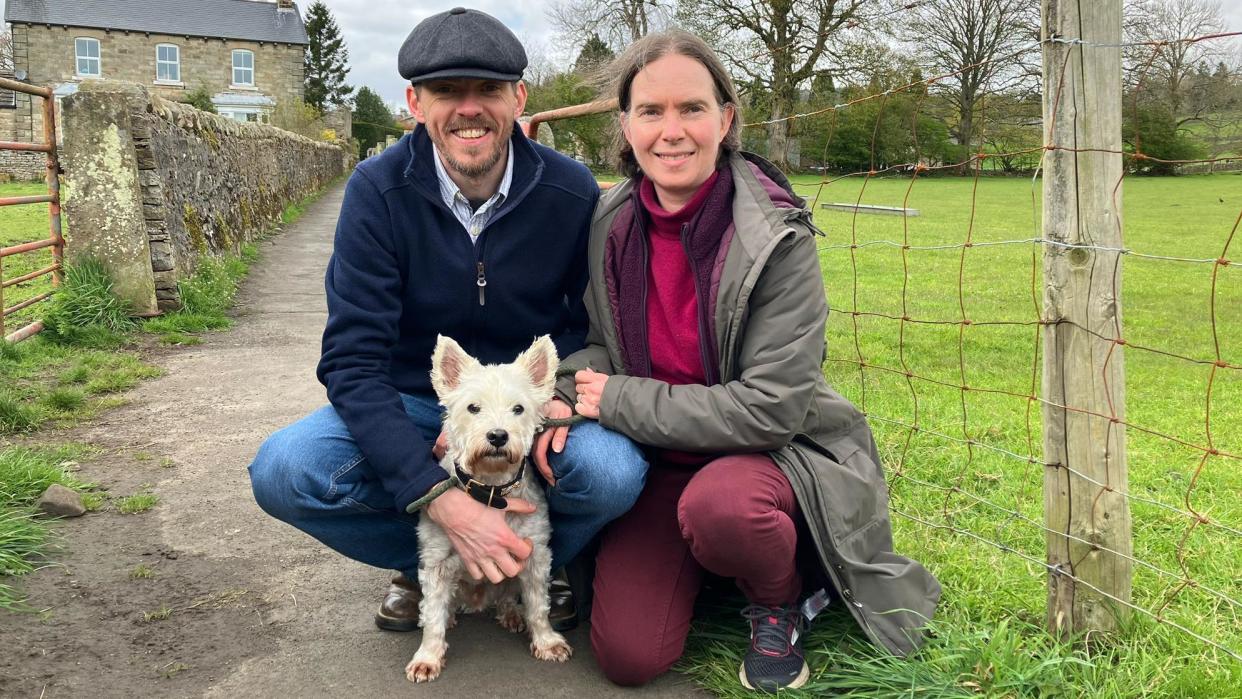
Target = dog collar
(490,495)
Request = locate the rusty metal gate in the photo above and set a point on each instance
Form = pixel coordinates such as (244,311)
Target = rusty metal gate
(54,240)
(531,128)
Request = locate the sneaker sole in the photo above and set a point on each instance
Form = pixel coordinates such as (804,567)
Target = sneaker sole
(797,681)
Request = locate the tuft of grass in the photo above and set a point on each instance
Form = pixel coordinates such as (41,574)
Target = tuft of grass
(23,538)
(178,337)
(26,472)
(142,571)
(93,501)
(16,416)
(65,399)
(167,462)
(142,456)
(136,503)
(164,612)
(84,310)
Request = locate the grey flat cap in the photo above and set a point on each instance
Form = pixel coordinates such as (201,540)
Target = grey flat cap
(461,43)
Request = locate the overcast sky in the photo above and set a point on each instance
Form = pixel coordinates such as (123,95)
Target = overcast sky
(374,30)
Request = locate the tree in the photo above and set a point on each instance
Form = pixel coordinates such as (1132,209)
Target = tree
(977,45)
(1152,131)
(616,22)
(1159,59)
(595,53)
(201,99)
(326,60)
(6,52)
(587,137)
(776,44)
(372,120)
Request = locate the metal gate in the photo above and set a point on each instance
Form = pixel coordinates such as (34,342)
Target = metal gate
(54,240)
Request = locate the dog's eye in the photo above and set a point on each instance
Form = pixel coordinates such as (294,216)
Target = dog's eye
(473,409)
(518,410)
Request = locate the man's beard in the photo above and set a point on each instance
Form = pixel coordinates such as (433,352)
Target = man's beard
(473,171)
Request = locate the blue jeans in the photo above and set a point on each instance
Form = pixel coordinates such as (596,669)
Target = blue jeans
(312,476)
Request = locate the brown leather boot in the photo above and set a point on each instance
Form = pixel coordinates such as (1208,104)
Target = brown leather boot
(399,610)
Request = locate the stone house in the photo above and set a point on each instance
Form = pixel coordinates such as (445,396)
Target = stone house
(247,54)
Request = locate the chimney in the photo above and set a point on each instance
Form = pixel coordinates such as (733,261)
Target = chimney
(284,5)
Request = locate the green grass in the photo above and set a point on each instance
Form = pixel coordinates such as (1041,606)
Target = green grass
(994,600)
(137,503)
(24,224)
(24,474)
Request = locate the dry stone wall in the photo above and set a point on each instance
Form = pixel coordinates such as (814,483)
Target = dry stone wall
(152,186)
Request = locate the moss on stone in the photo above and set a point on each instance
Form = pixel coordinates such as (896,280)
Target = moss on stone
(194,228)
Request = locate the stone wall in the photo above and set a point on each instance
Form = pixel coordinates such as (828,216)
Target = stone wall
(151,186)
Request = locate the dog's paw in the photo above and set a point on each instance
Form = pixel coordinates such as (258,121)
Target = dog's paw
(423,670)
(557,651)
(511,619)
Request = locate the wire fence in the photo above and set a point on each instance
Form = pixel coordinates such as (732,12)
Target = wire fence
(938,331)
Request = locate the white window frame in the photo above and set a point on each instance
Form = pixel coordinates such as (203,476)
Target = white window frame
(246,69)
(79,57)
(173,65)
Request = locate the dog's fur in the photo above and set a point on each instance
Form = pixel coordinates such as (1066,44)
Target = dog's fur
(478,399)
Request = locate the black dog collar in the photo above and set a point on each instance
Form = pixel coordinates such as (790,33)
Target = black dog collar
(490,495)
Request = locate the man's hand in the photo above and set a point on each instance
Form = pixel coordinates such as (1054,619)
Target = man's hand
(589,385)
(556,436)
(480,535)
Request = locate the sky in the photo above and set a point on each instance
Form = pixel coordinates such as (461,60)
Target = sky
(374,30)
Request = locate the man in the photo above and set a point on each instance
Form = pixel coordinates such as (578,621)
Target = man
(463,228)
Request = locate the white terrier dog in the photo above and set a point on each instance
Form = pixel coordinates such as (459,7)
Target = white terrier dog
(492,417)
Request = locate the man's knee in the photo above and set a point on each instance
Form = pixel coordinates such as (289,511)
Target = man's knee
(599,468)
(279,476)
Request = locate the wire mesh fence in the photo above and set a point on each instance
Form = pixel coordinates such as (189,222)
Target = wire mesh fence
(938,330)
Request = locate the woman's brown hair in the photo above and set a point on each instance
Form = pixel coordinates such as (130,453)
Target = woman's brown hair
(653,47)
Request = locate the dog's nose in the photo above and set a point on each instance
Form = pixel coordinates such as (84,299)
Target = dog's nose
(497,438)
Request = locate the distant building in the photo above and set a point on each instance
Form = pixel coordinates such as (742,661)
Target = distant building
(247,55)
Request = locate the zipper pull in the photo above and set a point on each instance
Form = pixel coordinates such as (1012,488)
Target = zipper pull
(481,281)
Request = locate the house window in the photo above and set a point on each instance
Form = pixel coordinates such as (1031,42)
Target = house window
(168,63)
(87,51)
(243,67)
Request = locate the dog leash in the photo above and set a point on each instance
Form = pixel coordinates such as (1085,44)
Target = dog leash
(454,480)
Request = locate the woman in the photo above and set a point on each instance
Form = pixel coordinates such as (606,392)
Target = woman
(707,334)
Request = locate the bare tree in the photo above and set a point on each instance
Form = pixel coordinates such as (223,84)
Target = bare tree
(779,45)
(618,22)
(1160,57)
(979,45)
(6,52)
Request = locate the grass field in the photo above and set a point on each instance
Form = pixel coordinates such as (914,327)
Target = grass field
(989,641)
(24,224)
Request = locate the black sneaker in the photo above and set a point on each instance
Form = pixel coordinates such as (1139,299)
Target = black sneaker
(774,660)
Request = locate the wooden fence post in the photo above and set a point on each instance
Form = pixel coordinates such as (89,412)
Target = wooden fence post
(1084,372)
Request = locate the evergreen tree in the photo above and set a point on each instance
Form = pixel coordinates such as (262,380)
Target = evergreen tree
(326,60)
(372,120)
(595,53)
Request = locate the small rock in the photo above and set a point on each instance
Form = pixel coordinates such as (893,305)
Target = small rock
(59,501)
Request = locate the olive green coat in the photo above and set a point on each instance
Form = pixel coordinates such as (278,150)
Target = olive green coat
(769,323)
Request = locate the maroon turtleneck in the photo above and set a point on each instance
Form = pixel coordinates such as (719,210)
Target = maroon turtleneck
(672,305)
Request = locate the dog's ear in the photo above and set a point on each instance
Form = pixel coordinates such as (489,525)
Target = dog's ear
(449,362)
(539,361)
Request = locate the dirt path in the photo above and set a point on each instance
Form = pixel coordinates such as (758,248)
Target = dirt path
(254,608)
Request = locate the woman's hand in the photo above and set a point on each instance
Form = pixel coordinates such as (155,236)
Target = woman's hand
(589,385)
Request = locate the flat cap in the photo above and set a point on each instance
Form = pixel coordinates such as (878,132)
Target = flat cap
(461,43)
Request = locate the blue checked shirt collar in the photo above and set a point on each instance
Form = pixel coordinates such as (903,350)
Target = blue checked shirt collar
(472,220)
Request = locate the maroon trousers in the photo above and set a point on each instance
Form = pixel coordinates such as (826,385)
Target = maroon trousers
(735,517)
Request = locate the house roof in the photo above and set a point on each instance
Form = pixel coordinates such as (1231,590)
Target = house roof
(225,19)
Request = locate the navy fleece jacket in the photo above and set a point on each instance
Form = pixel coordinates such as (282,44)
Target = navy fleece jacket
(404,270)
